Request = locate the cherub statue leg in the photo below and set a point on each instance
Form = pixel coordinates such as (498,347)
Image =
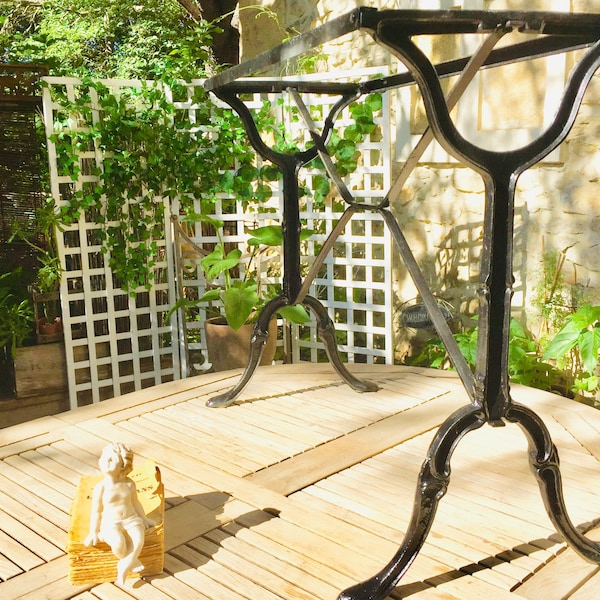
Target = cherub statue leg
(130,563)
(126,545)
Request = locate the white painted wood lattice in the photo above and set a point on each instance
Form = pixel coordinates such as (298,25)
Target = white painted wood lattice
(117,343)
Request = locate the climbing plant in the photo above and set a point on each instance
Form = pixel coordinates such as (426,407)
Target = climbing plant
(153,154)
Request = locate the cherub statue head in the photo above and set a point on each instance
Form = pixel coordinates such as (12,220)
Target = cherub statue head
(116,457)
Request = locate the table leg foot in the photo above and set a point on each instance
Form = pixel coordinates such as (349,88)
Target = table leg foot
(432,484)
(260,336)
(326,331)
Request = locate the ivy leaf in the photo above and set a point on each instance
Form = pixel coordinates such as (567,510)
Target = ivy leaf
(239,302)
(247,173)
(365,125)
(353,133)
(374,101)
(563,341)
(263,192)
(320,186)
(270,173)
(589,345)
(345,150)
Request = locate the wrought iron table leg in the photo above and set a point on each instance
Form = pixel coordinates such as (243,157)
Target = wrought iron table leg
(260,336)
(543,459)
(431,486)
(326,331)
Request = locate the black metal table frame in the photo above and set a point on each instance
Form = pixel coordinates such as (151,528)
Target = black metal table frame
(488,387)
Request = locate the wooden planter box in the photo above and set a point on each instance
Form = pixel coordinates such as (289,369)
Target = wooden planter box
(40,369)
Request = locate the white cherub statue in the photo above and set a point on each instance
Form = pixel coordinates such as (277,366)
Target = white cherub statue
(117,516)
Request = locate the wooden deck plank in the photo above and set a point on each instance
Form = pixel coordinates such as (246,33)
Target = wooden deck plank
(290,572)
(18,554)
(206,587)
(236,584)
(108,591)
(259,575)
(175,588)
(28,538)
(284,550)
(200,438)
(304,487)
(8,568)
(28,516)
(588,589)
(343,452)
(60,490)
(454,503)
(144,590)
(564,575)
(144,427)
(46,581)
(474,589)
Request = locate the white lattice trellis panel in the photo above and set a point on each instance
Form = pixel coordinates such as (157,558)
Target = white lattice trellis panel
(115,342)
(355,282)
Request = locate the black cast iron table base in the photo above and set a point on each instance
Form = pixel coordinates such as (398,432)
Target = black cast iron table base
(488,387)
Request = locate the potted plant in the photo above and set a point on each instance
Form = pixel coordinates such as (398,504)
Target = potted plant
(46,298)
(45,289)
(16,326)
(16,317)
(235,295)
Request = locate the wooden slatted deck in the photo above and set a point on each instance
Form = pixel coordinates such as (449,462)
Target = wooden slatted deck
(303,488)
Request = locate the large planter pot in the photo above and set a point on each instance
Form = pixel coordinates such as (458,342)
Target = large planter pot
(229,349)
(40,369)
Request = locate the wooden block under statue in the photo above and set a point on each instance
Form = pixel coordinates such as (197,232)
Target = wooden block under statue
(97,564)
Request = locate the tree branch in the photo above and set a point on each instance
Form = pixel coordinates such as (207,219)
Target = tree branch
(192,8)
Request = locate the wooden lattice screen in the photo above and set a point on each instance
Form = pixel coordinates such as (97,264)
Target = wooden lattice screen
(116,343)
(22,166)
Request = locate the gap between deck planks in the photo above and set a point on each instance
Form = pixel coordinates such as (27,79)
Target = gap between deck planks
(336,455)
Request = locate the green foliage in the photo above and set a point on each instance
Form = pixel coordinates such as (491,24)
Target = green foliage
(525,363)
(150,158)
(16,314)
(344,148)
(153,155)
(102,38)
(578,343)
(553,298)
(42,238)
(240,297)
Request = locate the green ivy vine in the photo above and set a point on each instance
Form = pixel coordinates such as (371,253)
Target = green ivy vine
(152,154)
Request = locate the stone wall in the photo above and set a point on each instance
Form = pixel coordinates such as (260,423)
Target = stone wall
(440,208)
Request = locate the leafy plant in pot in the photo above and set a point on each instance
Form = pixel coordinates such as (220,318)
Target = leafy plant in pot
(16,316)
(236,294)
(45,289)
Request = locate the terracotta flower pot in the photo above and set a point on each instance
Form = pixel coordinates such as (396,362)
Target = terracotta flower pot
(229,349)
(48,332)
(49,328)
